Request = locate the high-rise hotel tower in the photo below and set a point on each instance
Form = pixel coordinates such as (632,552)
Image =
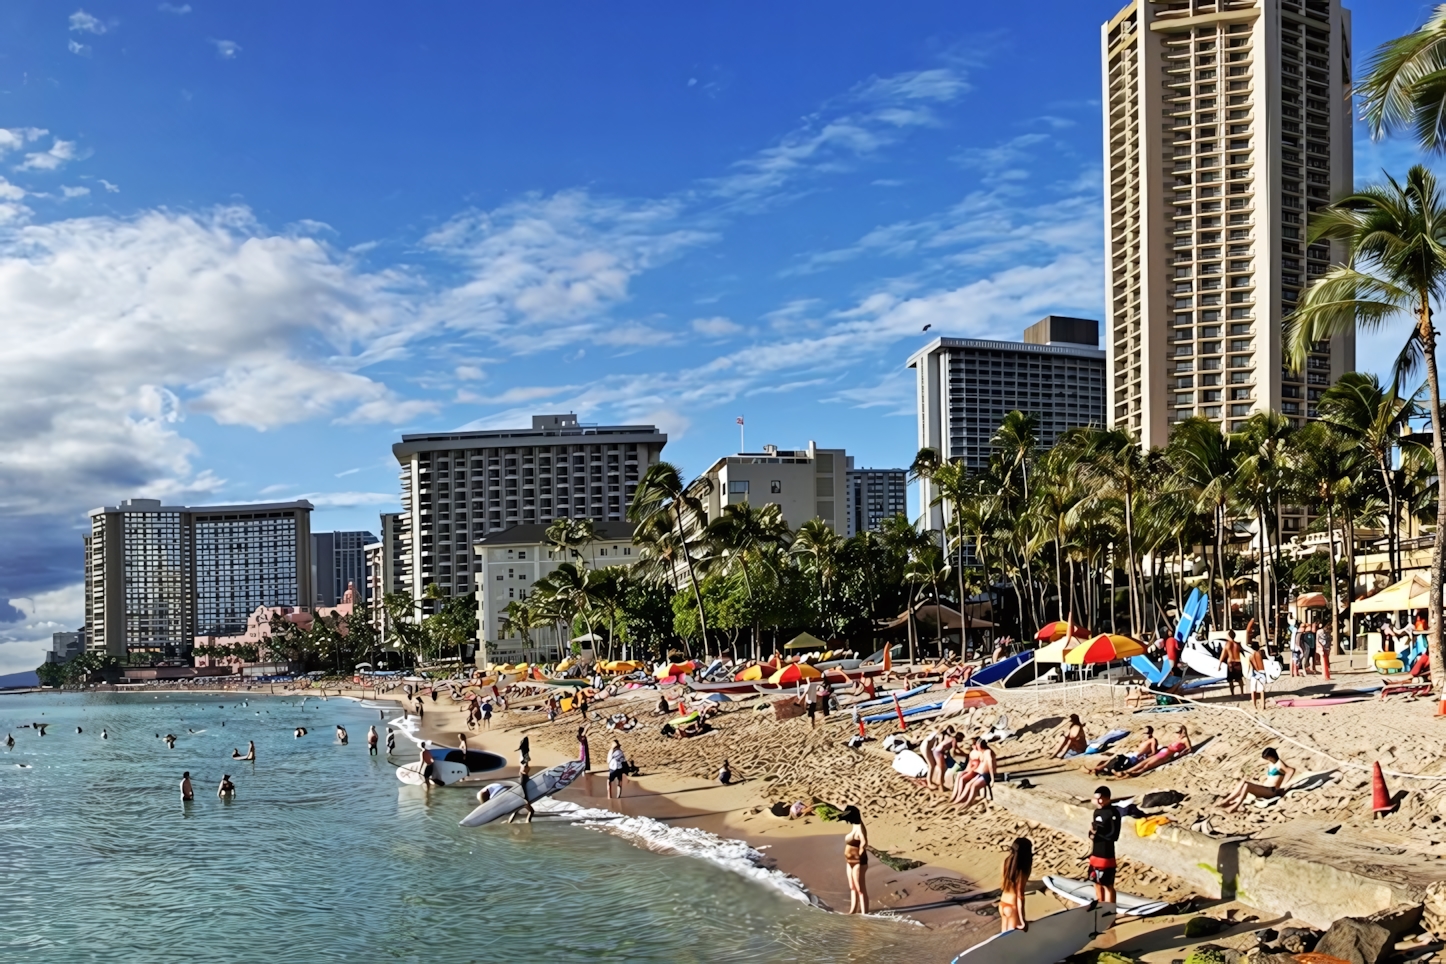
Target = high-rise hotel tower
(1226,123)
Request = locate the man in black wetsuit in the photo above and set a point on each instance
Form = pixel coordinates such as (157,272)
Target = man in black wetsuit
(1104,831)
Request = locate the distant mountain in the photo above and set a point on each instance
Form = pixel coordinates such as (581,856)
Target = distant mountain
(19,680)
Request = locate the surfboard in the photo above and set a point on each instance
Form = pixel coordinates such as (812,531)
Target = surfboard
(507,797)
(1105,742)
(889,697)
(476,761)
(912,711)
(1027,672)
(1049,940)
(443,770)
(1083,892)
(1296,702)
(1200,661)
(1195,609)
(996,672)
(910,764)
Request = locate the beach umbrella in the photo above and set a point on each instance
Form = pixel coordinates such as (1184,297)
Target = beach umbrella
(793,673)
(1104,648)
(1055,651)
(1059,629)
(756,673)
(805,641)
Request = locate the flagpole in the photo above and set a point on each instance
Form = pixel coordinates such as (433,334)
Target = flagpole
(741,447)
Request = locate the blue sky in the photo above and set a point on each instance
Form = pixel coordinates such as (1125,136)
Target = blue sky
(243,247)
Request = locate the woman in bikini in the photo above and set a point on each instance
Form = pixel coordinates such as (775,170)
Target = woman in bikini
(1148,747)
(1277,773)
(1018,864)
(1177,748)
(1074,740)
(856,860)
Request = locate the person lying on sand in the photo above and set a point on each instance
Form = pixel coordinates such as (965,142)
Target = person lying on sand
(1074,740)
(1178,748)
(1148,747)
(1277,774)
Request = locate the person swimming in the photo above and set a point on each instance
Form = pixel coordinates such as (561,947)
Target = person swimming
(171,741)
(104,735)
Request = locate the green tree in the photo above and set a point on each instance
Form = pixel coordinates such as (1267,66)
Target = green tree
(662,500)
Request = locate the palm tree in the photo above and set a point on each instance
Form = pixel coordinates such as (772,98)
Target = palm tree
(742,532)
(822,550)
(1395,240)
(955,488)
(927,568)
(1405,84)
(1202,457)
(1361,409)
(574,590)
(1115,463)
(1262,452)
(661,497)
(570,536)
(1324,468)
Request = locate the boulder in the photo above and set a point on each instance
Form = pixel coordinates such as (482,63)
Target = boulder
(1356,940)
(1203,926)
(1400,920)
(1298,940)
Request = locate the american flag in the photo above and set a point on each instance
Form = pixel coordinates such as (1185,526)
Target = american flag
(740,420)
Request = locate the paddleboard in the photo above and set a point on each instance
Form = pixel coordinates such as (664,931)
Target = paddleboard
(1049,940)
(1195,609)
(443,770)
(476,761)
(1026,673)
(1297,702)
(507,797)
(1106,741)
(995,672)
(889,697)
(1200,661)
(1083,892)
(912,711)
(910,764)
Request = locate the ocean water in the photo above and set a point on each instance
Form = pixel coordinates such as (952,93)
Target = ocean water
(324,856)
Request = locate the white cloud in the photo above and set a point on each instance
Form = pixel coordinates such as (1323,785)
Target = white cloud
(348,500)
(82,22)
(23,643)
(110,188)
(60,152)
(342,475)
(180,10)
(14,138)
(227,49)
(73,192)
(79,49)
(716,327)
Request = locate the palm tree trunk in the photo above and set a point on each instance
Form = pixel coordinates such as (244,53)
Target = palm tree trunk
(1135,613)
(692,578)
(1335,593)
(1438,452)
(1220,563)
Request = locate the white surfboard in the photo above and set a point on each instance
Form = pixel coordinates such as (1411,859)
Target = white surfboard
(1049,940)
(448,773)
(910,764)
(1083,892)
(507,797)
(1199,660)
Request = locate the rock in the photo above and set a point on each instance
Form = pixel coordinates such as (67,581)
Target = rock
(1202,927)
(1267,935)
(1400,920)
(1298,940)
(1161,798)
(1356,940)
(1262,956)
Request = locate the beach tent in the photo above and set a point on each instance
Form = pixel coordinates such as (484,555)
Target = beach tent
(793,673)
(1104,648)
(805,641)
(1412,592)
(945,617)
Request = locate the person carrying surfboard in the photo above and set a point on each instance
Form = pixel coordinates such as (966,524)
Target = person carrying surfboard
(1104,831)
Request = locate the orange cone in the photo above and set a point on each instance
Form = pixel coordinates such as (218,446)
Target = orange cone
(1380,798)
(903,727)
(861,729)
(1441,707)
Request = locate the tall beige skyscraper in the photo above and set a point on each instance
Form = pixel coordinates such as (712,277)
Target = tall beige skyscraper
(1226,123)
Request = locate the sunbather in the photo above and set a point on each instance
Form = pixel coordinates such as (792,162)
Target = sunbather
(1178,748)
(1148,747)
(1277,773)
(1074,740)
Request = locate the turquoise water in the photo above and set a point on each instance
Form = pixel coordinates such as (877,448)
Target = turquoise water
(324,856)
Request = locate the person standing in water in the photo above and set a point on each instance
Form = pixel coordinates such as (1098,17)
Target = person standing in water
(341,734)
(186,792)
(583,752)
(1018,865)
(372,740)
(227,788)
(856,859)
(617,769)
(1104,831)
(391,741)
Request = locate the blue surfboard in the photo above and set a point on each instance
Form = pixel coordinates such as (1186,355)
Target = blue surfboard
(995,672)
(1195,609)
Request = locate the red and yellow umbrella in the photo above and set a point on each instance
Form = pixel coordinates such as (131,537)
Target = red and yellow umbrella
(1104,648)
(1058,630)
(792,673)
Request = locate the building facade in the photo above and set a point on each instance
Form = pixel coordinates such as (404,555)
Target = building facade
(875,495)
(65,646)
(158,576)
(338,560)
(1227,122)
(510,562)
(811,483)
(965,387)
(458,487)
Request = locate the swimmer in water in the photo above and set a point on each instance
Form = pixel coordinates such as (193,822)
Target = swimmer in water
(104,735)
(77,729)
(341,734)
(372,740)
(170,741)
(227,788)
(9,740)
(298,733)
(186,792)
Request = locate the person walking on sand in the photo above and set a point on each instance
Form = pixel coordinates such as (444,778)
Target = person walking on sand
(856,859)
(1297,658)
(1323,648)
(1018,865)
(487,715)
(372,740)
(186,792)
(810,701)
(1104,831)
(583,752)
(1277,774)
(1230,660)
(1257,678)
(617,769)
(523,773)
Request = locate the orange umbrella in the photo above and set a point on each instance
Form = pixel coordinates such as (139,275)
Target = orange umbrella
(1104,648)
(792,673)
(1060,629)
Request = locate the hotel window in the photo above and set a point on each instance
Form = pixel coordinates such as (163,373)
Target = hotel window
(775,487)
(738,488)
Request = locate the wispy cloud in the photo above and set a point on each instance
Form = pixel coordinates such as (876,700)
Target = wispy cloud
(178,9)
(60,152)
(227,49)
(79,49)
(82,22)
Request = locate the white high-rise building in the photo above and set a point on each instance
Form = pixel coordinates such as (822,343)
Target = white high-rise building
(1227,122)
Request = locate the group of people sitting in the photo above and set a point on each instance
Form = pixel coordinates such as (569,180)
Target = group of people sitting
(972,762)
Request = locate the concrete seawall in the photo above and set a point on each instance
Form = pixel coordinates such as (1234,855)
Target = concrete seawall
(1314,878)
